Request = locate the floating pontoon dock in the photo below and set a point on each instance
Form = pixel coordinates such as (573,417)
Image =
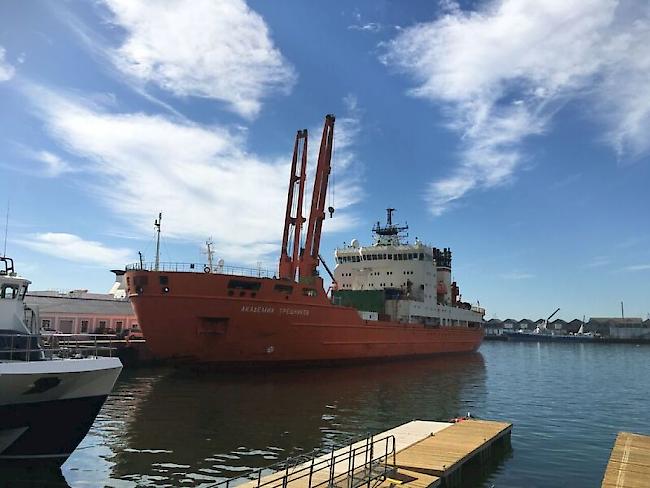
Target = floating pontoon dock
(418,454)
(629,463)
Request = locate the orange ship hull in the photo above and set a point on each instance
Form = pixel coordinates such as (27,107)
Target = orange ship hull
(236,320)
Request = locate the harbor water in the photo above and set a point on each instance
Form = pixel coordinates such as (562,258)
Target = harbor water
(165,427)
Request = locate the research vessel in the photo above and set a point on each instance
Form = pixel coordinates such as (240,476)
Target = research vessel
(389,300)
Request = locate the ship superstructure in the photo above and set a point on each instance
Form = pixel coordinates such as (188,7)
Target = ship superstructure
(402,282)
(201,313)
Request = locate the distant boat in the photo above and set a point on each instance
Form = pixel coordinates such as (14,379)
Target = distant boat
(538,336)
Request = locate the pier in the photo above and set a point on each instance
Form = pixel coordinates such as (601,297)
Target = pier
(418,454)
(629,463)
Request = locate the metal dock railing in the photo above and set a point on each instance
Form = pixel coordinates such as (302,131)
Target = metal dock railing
(354,466)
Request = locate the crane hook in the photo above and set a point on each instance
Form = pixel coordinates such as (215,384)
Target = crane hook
(331,211)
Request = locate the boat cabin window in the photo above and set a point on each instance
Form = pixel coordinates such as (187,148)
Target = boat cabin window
(9,291)
(309,292)
(244,285)
(287,289)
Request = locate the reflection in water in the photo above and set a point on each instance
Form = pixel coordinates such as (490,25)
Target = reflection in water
(43,476)
(177,428)
(181,427)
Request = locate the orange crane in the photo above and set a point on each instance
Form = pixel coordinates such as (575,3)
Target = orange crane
(290,253)
(309,257)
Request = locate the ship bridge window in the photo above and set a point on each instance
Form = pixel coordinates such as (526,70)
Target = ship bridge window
(244,285)
(309,292)
(390,256)
(140,281)
(421,256)
(9,291)
(287,289)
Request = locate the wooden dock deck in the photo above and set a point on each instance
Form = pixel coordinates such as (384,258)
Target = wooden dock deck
(426,455)
(629,463)
(444,453)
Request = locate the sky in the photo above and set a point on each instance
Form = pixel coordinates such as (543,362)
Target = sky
(516,132)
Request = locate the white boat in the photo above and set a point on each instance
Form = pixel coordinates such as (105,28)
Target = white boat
(47,402)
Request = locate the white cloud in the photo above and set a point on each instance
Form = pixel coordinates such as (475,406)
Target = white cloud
(201,178)
(367,27)
(6,70)
(638,267)
(598,262)
(214,49)
(53,165)
(73,248)
(501,73)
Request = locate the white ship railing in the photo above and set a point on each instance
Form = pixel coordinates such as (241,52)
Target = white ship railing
(202,268)
(37,347)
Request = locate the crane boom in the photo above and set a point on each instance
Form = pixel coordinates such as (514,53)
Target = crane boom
(309,258)
(290,253)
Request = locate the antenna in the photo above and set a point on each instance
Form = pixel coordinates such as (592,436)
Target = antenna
(209,251)
(4,252)
(156,224)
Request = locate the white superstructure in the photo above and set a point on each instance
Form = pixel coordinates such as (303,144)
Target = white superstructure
(415,278)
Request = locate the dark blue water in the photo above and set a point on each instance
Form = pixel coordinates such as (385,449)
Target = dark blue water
(566,401)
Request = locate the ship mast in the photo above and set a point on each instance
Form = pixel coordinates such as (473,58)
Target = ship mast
(293,223)
(156,224)
(309,258)
(209,252)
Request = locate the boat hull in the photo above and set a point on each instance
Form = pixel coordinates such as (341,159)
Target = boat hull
(47,407)
(196,321)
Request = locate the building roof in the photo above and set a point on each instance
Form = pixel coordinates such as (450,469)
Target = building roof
(57,303)
(616,319)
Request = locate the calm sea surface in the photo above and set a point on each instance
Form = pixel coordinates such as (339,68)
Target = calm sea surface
(162,427)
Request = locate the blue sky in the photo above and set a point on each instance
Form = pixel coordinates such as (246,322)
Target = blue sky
(515,132)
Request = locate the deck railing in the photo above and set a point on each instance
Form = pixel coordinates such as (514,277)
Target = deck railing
(38,347)
(352,467)
(202,268)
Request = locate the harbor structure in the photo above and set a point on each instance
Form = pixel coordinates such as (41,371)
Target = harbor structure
(418,454)
(629,462)
(611,328)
